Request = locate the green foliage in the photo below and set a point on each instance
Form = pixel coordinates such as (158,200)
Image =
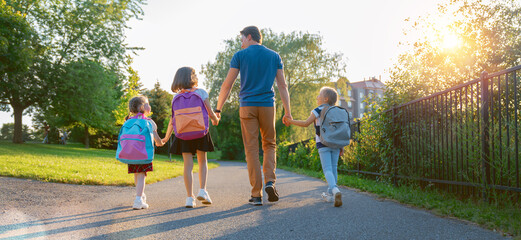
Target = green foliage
(488,41)
(487,35)
(87,94)
(65,32)
(103,140)
(160,102)
(305,156)
(131,88)
(19,51)
(7,132)
(17,41)
(54,135)
(373,148)
(228,137)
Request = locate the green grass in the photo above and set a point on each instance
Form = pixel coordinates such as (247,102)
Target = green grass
(505,219)
(74,164)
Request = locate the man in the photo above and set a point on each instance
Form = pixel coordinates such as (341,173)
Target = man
(259,68)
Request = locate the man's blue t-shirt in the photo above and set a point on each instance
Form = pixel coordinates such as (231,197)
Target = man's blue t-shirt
(258,67)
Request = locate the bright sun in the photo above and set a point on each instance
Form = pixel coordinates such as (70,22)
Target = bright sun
(443,36)
(449,41)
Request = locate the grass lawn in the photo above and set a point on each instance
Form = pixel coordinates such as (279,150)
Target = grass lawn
(74,164)
(506,218)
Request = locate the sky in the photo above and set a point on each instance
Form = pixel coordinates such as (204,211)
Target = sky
(178,33)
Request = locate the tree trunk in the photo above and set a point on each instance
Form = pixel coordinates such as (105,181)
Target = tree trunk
(18,112)
(86,136)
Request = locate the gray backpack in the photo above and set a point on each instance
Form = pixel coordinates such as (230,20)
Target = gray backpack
(335,128)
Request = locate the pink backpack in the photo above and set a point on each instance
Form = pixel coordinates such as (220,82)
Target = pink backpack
(135,141)
(189,115)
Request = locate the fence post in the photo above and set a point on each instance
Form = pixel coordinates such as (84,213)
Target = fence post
(485,141)
(395,145)
(358,159)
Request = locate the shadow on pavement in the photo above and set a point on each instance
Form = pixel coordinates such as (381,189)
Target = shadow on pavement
(176,224)
(86,225)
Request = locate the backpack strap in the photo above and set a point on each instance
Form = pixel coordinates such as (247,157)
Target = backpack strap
(139,116)
(323,114)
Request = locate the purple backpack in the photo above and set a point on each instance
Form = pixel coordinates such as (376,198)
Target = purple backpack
(189,115)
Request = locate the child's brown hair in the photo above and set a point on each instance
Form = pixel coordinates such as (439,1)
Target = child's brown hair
(184,78)
(135,105)
(330,94)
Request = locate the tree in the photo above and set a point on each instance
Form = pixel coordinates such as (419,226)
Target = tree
(68,31)
(307,67)
(455,44)
(160,102)
(87,96)
(131,88)
(19,49)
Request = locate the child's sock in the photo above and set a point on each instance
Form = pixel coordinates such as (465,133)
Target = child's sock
(138,198)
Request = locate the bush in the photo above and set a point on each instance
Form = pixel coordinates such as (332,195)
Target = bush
(232,149)
(305,156)
(103,140)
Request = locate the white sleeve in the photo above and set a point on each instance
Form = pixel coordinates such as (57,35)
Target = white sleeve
(154,126)
(204,95)
(316,113)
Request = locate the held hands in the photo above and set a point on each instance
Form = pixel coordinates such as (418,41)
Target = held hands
(164,141)
(216,122)
(287,120)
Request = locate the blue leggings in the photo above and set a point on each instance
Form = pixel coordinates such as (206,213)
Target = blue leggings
(329,160)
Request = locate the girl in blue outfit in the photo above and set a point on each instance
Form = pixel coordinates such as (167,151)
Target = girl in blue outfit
(328,156)
(186,79)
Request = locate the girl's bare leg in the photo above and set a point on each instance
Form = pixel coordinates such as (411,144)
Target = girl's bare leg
(139,180)
(203,168)
(188,176)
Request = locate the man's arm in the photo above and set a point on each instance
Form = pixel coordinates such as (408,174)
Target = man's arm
(284,94)
(226,88)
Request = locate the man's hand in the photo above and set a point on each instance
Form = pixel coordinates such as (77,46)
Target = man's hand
(216,122)
(285,119)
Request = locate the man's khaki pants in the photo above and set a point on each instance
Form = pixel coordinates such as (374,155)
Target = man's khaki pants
(254,119)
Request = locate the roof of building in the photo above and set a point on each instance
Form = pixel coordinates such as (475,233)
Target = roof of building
(371,83)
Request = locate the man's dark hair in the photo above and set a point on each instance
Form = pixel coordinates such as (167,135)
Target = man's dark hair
(254,32)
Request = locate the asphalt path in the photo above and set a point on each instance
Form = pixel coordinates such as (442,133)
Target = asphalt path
(32,209)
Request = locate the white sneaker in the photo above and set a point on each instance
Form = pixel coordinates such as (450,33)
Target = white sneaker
(139,204)
(144,197)
(327,197)
(204,197)
(190,202)
(338,197)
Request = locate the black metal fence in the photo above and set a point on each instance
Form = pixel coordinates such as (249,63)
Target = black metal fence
(464,139)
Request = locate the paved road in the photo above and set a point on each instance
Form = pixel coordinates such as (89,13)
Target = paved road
(33,209)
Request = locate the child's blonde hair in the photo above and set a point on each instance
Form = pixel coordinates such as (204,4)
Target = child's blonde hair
(184,78)
(330,94)
(135,104)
